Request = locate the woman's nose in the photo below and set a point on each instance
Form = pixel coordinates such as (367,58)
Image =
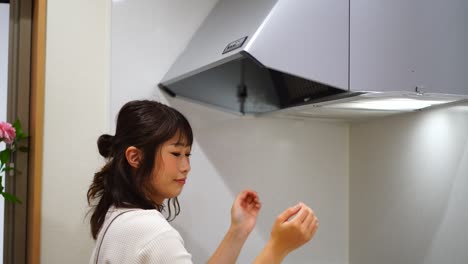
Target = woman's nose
(185,165)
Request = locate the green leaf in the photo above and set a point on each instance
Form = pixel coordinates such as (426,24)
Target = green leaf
(5,156)
(17,126)
(21,137)
(23,149)
(19,130)
(11,197)
(7,169)
(10,169)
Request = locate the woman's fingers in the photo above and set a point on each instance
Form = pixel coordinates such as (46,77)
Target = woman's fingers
(302,215)
(313,227)
(309,218)
(294,227)
(288,213)
(248,195)
(249,200)
(242,196)
(306,221)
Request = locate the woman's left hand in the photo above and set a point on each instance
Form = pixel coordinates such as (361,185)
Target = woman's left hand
(244,211)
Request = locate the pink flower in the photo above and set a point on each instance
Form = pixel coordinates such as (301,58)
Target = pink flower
(7,132)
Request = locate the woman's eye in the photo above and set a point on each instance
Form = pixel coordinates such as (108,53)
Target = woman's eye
(177,154)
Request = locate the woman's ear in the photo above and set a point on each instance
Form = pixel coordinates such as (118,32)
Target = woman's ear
(133,156)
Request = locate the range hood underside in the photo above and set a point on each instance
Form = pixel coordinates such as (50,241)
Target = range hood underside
(243,85)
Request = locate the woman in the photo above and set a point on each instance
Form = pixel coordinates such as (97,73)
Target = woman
(147,164)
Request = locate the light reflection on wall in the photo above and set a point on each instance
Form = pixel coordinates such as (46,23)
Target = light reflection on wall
(409,189)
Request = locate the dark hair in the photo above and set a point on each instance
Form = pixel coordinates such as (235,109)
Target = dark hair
(145,125)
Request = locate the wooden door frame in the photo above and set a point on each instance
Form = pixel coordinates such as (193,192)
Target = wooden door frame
(38,51)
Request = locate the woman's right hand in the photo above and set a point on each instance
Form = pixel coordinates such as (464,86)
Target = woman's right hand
(288,234)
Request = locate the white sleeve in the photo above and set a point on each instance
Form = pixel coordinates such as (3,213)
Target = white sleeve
(167,248)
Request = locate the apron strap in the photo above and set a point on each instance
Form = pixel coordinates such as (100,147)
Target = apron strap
(105,231)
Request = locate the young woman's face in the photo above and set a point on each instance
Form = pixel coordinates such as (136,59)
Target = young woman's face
(172,166)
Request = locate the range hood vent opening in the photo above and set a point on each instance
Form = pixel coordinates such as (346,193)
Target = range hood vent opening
(294,91)
(244,85)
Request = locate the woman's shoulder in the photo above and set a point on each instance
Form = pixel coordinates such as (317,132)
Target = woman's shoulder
(139,218)
(138,223)
(134,234)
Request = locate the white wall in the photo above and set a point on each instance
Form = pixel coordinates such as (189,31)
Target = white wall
(285,161)
(4,37)
(4,41)
(75,114)
(409,188)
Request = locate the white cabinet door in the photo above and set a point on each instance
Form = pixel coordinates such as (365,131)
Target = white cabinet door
(381,48)
(442,45)
(398,45)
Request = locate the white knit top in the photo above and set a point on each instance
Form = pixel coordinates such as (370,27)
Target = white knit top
(139,236)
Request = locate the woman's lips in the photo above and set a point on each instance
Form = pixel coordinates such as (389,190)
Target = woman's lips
(181,181)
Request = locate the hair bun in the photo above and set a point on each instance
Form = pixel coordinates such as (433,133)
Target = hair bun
(105,143)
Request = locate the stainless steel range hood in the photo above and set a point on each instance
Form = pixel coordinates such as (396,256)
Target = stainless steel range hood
(289,56)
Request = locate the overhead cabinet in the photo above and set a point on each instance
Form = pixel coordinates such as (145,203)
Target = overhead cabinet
(400,45)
